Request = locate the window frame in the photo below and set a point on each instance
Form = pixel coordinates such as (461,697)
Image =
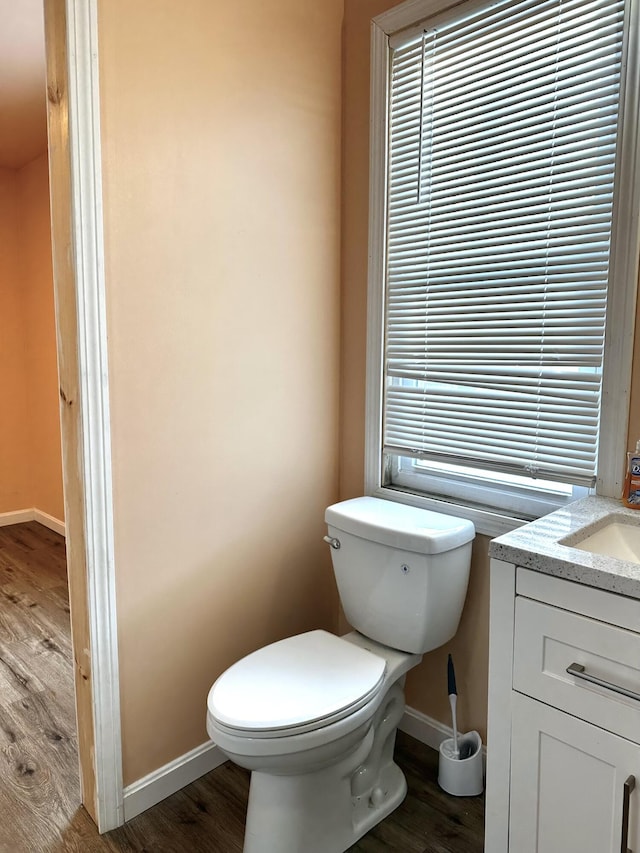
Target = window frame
(623,275)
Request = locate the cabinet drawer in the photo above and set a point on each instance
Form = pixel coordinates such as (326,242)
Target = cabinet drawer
(548,640)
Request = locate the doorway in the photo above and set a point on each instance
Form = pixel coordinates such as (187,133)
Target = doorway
(37,705)
(72,101)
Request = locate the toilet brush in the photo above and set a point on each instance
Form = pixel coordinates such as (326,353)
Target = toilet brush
(453,698)
(460,760)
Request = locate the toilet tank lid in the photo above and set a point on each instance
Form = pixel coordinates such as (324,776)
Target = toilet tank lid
(400,526)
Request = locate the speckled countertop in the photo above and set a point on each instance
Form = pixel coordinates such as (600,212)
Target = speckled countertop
(545,546)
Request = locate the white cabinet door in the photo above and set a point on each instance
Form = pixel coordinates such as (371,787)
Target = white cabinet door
(568,784)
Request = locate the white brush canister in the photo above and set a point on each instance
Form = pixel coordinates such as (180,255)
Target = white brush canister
(461,776)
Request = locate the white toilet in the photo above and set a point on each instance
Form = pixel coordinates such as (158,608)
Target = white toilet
(315,716)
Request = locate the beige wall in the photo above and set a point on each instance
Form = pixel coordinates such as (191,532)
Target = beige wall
(45,456)
(30,458)
(634,406)
(221,157)
(15,483)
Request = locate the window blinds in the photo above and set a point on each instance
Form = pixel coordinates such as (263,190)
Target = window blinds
(502,149)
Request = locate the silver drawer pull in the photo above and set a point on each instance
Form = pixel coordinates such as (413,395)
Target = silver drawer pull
(629,785)
(578,671)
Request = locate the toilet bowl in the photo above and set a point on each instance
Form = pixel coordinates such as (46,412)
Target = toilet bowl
(325,735)
(314,716)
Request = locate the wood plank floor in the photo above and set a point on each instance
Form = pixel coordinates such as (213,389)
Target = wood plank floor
(39,789)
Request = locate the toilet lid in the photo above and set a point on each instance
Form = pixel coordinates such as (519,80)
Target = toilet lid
(300,680)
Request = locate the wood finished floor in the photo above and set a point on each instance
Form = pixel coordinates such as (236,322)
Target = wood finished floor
(39,790)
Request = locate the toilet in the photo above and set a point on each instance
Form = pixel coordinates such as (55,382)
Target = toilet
(314,716)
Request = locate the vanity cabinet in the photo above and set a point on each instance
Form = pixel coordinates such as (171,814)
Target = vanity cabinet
(563,752)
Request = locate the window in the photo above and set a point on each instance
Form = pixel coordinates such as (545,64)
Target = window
(503,254)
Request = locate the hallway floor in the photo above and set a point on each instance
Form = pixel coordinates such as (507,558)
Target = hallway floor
(39,789)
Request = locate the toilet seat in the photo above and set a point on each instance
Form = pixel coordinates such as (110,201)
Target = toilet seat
(294,686)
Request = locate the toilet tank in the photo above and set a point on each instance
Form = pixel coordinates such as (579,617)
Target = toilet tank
(402,572)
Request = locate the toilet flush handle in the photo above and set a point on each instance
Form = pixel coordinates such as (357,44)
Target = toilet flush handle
(335,543)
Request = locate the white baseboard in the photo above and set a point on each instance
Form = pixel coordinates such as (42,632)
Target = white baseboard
(19,516)
(161,783)
(427,730)
(423,728)
(49,521)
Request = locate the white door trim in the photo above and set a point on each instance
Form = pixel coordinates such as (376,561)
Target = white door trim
(88,246)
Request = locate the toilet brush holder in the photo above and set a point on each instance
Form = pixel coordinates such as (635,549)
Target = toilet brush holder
(461,776)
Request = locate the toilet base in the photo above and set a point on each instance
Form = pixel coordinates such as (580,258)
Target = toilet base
(395,787)
(328,810)
(316,816)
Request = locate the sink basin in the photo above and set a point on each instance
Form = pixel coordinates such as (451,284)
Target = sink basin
(617,538)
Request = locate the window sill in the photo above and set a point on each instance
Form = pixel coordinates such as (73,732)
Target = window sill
(486,522)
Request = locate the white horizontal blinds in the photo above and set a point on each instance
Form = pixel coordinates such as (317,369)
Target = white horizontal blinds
(502,148)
